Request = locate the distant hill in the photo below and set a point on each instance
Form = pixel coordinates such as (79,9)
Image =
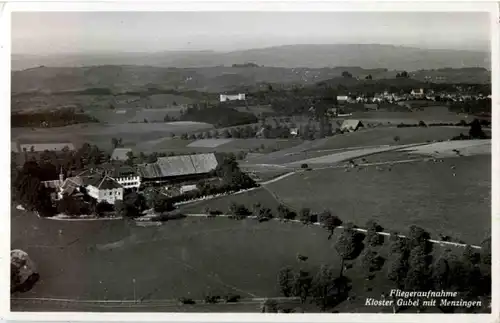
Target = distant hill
(290,56)
(125,78)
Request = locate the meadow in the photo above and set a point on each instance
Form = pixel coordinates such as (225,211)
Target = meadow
(101,134)
(184,258)
(421,193)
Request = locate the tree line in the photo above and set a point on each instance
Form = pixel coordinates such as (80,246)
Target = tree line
(56,118)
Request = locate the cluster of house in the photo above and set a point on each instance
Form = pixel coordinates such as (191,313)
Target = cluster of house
(108,183)
(420,94)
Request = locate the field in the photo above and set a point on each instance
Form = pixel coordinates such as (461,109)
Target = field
(369,138)
(222,204)
(101,134)
(184,258)
(256,109)
(385,136)
(422,193)
(434,114)
(99,103)
(190,258)
(217,145)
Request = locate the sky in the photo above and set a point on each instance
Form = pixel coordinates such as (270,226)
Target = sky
(78,32)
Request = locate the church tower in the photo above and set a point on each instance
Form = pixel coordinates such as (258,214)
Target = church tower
(61,176)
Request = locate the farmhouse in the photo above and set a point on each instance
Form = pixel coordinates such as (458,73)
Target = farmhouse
(126,176)
(342,98)
(178,169)
(120,154)
(97,186)
(351,125)
(417,92)
(105,189)
(49,147)
(232,97)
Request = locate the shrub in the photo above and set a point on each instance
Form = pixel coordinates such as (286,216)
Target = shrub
(304,166)
(421,123)
(232,298)
(186,301)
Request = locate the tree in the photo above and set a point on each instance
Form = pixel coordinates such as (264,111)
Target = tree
(130,158)
(372,237)
(103,207)
(371,261)
(348,246)
(418,276)
(418,237)
(397,269)
(346,74)
(302,285)
(305,215)
(476,131)
(162,204)
(330,222)
(486,251)
(239,210)
(399,245)
(264,214)
(440,273)
(324,287)
(285,281)
(369,77)
(269,306)
(470,256)
(152,158)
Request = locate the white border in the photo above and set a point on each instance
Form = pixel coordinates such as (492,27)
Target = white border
(421,6)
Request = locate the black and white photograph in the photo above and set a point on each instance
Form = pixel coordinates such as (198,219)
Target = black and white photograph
(251,161)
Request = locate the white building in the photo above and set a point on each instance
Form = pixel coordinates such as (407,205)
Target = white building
(417,92)
(126,176)
(232,97)
(342,98)
(105,189)
(132,181)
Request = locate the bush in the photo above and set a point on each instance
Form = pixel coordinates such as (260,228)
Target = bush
(232,298)
(186,301)
(212,299)
(421,123)
(239,211)
(304,166)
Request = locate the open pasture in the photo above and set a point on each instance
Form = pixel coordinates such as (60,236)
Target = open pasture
(390,136)
(422,193)
(434,114)
(183,258)
(454,148)
(222,203)
(209,143)
(257,110)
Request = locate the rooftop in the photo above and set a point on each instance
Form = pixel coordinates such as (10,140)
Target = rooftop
(179,165)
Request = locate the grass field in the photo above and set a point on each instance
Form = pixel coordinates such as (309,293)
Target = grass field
(428,115)
(101,134)
(422,193)
(214,145)
(222,204)
(385,136)
(186,258)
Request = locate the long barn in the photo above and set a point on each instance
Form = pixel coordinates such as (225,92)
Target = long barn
(176,169)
